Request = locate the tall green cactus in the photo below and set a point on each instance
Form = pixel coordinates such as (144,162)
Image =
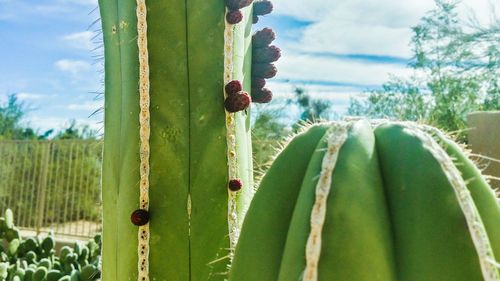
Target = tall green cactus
(398,202)
(174,138)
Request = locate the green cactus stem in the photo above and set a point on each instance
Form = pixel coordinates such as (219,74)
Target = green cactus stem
(388,202)
(175,139)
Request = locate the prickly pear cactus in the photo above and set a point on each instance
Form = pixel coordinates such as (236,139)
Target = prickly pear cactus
(177,175)
(352,202)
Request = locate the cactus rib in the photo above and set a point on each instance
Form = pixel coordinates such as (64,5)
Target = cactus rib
(474,222)
(144,134)
(336,137)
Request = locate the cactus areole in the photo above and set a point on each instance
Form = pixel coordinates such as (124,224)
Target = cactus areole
(361,202)
(178,87)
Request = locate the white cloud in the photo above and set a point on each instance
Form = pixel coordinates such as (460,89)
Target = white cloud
(338,96)
(379,27)
(80,40)
(390,12)
(306,67)
(29,96)
(484,11)
(73,67)
(365,27)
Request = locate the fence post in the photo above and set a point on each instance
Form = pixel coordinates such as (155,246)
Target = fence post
(44,168)
(483,140)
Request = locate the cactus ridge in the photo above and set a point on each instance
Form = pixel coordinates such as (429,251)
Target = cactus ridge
(336,137)
(474,222)
(144,134)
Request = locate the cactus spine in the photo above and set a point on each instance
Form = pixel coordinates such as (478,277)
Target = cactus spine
(404,203)
(176,144)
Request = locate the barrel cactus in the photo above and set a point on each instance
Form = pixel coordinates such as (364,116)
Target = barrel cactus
(177,172)
(358,201)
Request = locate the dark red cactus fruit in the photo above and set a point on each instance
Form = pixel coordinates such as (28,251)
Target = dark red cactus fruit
(255,19)
(139,217)
(261,8)
(266,54)
(234,17)
(235,185)
(238,4)
(262,95)
(263,38)
(264,70)
(233,87)
(258,83)
(237,102)
(245,3)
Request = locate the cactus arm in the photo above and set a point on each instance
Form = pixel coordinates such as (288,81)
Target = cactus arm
(357,225)
(418,189)
(273,203)
(242,69)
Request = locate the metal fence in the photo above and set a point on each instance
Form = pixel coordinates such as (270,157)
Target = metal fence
(52,185)
(55,185)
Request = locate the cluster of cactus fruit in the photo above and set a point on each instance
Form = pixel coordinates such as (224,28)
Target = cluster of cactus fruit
(263,56)
(234,14)
(36,258)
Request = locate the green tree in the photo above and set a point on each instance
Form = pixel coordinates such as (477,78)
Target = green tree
(272,126)
(75,131)
(457,70)
(11,114)
(310,109)
(268,130)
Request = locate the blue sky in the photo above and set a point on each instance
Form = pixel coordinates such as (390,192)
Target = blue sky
(336,49)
